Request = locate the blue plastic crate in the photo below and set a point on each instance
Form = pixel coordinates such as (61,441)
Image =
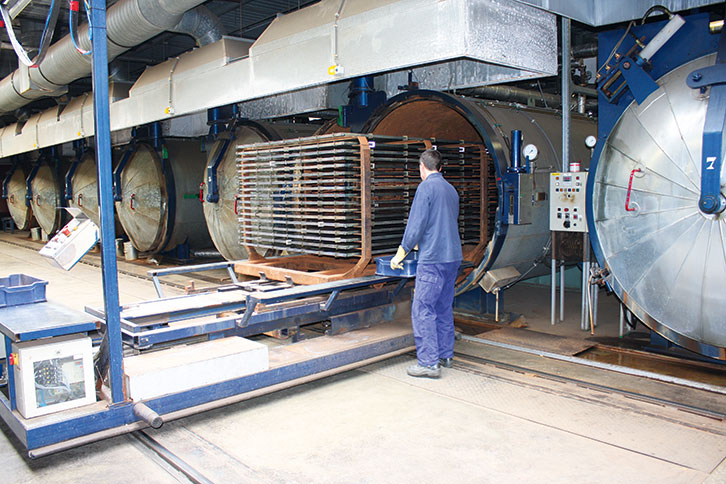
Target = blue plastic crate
(17,289)
(383,266)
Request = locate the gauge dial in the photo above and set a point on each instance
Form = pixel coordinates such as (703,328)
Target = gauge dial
(530,152)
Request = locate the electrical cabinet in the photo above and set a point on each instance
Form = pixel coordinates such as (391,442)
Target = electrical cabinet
(72,242)
(567,202)
(53,374)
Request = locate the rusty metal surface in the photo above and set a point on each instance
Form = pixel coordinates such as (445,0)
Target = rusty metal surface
(536,340)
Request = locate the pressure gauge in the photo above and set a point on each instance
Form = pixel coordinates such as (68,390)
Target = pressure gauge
(530,152)
(590,141)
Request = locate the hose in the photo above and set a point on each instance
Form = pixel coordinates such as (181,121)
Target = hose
(50,23)
(73,10)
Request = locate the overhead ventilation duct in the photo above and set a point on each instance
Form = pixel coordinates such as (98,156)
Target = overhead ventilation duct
(129,23)
(467,43)
(202,24)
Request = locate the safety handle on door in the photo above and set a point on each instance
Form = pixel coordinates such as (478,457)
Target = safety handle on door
(628,208)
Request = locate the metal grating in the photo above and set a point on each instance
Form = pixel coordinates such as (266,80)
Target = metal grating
(305,196)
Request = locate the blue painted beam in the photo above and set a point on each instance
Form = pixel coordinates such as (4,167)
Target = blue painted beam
(57,431)
(105,191)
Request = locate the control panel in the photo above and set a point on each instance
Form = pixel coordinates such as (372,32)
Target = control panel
(567,202)
(72,242)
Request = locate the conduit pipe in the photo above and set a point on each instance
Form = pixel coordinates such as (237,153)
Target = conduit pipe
(129,23)
(202,24)
(523,96)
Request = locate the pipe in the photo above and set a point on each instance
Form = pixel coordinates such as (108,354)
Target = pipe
(206,254)
(553,290)
(202,24)
(562,291)
(524,96)
(129,23)
(565,66)
(149,416)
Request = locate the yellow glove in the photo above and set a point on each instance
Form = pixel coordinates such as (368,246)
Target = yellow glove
(397,261)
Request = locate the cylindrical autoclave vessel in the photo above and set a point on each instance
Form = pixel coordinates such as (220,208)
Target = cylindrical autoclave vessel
(84,189)
(160,206)
(666,259)
(431,114)
(221,216)
(19,210)
(47,197)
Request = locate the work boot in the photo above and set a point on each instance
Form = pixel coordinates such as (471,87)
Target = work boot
(446,362)
(417,370)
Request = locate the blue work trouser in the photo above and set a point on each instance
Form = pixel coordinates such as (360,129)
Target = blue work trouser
(432,312)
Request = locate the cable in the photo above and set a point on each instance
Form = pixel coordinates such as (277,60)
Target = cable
(47,35)
(656,8)
(48,30)
(73,10)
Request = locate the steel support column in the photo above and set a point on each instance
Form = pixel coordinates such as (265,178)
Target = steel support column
(105,196)
(565,71)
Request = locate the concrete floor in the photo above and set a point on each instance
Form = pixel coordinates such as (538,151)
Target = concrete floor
(376,424)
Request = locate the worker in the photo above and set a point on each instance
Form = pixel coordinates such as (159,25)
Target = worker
(433,227)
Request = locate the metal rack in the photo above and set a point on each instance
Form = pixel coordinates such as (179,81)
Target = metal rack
(345,196)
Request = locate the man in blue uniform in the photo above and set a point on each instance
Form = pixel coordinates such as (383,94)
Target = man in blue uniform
(432,225)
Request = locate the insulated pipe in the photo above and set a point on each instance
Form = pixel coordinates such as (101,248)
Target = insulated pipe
(202,24)
(522,96)
(129,23)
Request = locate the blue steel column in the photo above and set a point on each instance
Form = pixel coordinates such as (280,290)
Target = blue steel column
(105,196)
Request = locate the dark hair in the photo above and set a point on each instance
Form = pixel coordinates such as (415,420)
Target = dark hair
(431,159)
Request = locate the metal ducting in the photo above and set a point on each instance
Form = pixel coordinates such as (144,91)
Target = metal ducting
(129,23)
(664,256)
(468,43)
(160,207)
(221,216)
(47,198)
(430,114)
(19,210)
(202,24)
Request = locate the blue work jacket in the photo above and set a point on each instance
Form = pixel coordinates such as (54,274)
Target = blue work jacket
(432,222)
